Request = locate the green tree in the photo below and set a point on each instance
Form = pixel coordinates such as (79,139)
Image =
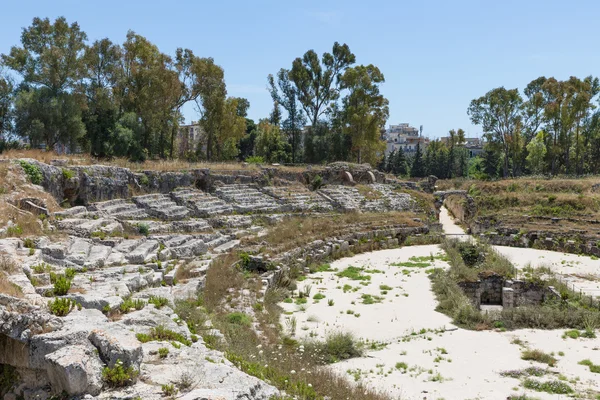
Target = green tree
(285,94)
(46,118)
(51,63)
(6,101)
(102,60)
(270,144)
(417,169)
(499,113)
(536,150)
(400,164)
(150,87)
(365,111)
(316,82)
(490,161)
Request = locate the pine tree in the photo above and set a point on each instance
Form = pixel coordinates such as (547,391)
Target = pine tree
(390,161)
(418,167)
(400,164)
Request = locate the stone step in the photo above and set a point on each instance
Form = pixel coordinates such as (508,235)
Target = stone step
(144,252)
(97,256)
(190,248)
(226,246)
(78,212)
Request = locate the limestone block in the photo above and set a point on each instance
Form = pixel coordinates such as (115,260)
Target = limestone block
(76,370)
(117,345)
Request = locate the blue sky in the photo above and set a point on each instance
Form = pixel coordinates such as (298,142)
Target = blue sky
(436,55)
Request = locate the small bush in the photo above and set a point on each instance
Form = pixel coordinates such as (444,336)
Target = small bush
(255,160)
(61,285)
(160,333)
(169,389)
(158,301)
(67,174)
(119,376)
(129,303)
(538,356)
(163,352)
(28,243)
(239,318)
(61,307)
(573,334)
(34,173)
(143,229)
(317,182)
(555,387)
(336,347)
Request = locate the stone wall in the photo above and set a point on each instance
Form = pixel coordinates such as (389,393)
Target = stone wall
(495,290)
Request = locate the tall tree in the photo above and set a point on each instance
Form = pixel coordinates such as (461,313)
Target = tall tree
(270,143)
(6,101)
(417,169)
(285,94)
(102,60)
(316,79)
(499,113)
(51,64)
(365,110)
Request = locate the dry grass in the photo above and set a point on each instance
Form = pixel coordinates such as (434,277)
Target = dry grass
(298,231)
(7,267)
(368,192)
(265,355)
(150,165)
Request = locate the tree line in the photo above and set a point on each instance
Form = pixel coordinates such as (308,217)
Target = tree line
(125,100)
(552,127)
(110,99)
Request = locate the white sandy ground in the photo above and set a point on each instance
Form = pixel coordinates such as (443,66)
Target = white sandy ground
(470,361)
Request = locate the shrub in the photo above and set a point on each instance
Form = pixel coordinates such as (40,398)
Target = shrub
(34,173)
(192,313)
(67,174)
(573,334)
(255,160)
(61,307)
(61,285)
(29,243)
(163,352)
(143,229)
(336,347)
(555,387)
(538,356)
(160,333)
(129,303)
(168,389)
(119,376)
(239,318)
(317,182)
(158,301)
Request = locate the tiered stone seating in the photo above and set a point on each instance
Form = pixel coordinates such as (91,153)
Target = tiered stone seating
(161,206)
(394,200)
(201,203)
(120,209)
(247,198)
(299,198)
(344,197)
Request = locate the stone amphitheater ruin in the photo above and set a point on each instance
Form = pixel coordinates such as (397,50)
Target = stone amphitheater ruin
(122,237)
(186,218)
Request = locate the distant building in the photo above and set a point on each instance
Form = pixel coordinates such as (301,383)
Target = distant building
(473,145)
(188,139)
(405,137)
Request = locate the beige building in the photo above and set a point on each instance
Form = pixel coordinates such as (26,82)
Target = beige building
(188,139)
(405,137)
